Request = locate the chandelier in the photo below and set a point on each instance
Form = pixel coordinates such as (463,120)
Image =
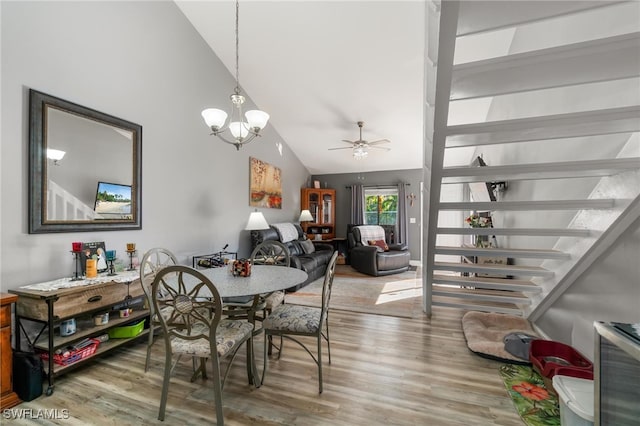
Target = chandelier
(242,131)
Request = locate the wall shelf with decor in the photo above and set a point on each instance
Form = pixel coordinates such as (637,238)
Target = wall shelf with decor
(322,205)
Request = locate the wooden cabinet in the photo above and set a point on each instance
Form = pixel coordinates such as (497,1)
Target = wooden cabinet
(8,397)
(322,205)
(82,302)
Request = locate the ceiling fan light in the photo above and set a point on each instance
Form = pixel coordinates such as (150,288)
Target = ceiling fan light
(239,129)
(214,117)
(257,119)
(360,152)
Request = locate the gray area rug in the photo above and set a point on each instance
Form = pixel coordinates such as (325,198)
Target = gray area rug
(393,295)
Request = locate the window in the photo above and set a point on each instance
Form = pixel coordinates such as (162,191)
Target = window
(380,206)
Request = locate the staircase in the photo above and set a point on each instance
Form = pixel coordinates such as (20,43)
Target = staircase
(554,115)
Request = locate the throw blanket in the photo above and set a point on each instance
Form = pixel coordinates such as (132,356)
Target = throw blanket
(370,233)
(286,231)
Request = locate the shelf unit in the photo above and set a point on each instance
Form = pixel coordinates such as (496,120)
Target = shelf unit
(49,308)
(322,205)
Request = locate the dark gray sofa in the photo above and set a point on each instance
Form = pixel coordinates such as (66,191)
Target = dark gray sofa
(314,263)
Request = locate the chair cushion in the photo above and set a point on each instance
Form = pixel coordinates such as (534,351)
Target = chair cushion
(295,318)
(229,334)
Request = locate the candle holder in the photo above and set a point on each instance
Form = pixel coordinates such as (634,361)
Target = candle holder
(131,253)
(111,257)
(77,273)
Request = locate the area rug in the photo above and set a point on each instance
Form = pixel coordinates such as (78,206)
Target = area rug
(536,405)
(394,295)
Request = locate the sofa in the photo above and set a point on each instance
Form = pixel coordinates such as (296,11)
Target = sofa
(311,258)
(370,253)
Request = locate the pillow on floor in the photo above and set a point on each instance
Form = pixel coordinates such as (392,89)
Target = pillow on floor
(485,332)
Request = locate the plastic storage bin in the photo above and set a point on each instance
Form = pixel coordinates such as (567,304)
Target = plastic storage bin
(576,400)
(126,331)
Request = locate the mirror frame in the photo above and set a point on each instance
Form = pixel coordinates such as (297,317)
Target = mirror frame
(38,223)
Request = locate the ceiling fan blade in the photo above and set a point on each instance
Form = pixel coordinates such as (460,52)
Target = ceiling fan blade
(346,147)
(379,141)
(384,148)
(348,141)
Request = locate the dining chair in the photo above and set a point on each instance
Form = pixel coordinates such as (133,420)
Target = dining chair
(152,261)
(194,326)
(291,321)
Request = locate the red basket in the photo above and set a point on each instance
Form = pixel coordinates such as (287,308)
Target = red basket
(75,355)
(548,357)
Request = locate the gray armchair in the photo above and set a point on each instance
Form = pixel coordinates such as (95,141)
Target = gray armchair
(376,260)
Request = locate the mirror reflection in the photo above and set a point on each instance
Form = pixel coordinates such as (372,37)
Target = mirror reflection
(85,168)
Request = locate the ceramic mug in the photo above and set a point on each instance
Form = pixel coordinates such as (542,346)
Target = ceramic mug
(124,313)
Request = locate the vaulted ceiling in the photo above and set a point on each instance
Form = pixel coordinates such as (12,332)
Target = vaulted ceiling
(318,67)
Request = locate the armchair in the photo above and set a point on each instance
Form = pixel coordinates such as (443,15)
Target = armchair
(376,260)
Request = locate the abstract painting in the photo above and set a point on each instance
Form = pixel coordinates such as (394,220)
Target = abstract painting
(265,185)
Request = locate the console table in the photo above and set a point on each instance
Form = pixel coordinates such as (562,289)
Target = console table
(52,302)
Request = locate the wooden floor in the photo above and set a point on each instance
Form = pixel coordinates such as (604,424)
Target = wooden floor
(384,371)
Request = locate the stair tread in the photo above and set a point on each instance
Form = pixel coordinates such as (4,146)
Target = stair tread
(556,126)
(502,296)
(519,231)
(590,61)
(476,17)
(487,283)
(509,252)
(537,171)
(478,305)
(600,203)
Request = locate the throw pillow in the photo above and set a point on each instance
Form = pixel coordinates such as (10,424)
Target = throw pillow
(381,244)
(307,246)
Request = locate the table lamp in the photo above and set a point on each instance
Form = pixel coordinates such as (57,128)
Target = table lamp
(256,221)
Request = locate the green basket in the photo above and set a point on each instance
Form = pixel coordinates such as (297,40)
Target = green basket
(126,331)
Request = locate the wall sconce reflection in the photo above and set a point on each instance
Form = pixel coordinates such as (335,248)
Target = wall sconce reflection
(55,155)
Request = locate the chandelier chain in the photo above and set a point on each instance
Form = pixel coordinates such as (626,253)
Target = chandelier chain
(237,91)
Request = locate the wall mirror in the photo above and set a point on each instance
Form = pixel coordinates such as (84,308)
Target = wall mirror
(85,168)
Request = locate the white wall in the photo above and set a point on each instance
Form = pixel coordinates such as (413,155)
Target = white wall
(143,62)
(608,291)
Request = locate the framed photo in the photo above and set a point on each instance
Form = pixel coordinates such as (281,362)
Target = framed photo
(95,250)
(316,184)
(265,185)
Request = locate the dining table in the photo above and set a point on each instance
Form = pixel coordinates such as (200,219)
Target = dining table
(263,280)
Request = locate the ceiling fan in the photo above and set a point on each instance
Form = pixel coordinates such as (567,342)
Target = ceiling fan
(361,146)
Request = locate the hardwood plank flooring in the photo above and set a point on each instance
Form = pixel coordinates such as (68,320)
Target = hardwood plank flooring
(384,371)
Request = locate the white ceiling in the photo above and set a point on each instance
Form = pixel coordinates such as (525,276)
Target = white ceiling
(318,67)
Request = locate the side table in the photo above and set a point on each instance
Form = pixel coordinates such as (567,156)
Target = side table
(8,398)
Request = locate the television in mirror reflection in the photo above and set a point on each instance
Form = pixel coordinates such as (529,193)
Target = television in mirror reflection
(113,201)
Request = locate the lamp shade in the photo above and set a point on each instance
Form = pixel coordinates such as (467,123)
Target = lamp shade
(239,129)
(256,118)
(305,216)
(214,117)
(256,221)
